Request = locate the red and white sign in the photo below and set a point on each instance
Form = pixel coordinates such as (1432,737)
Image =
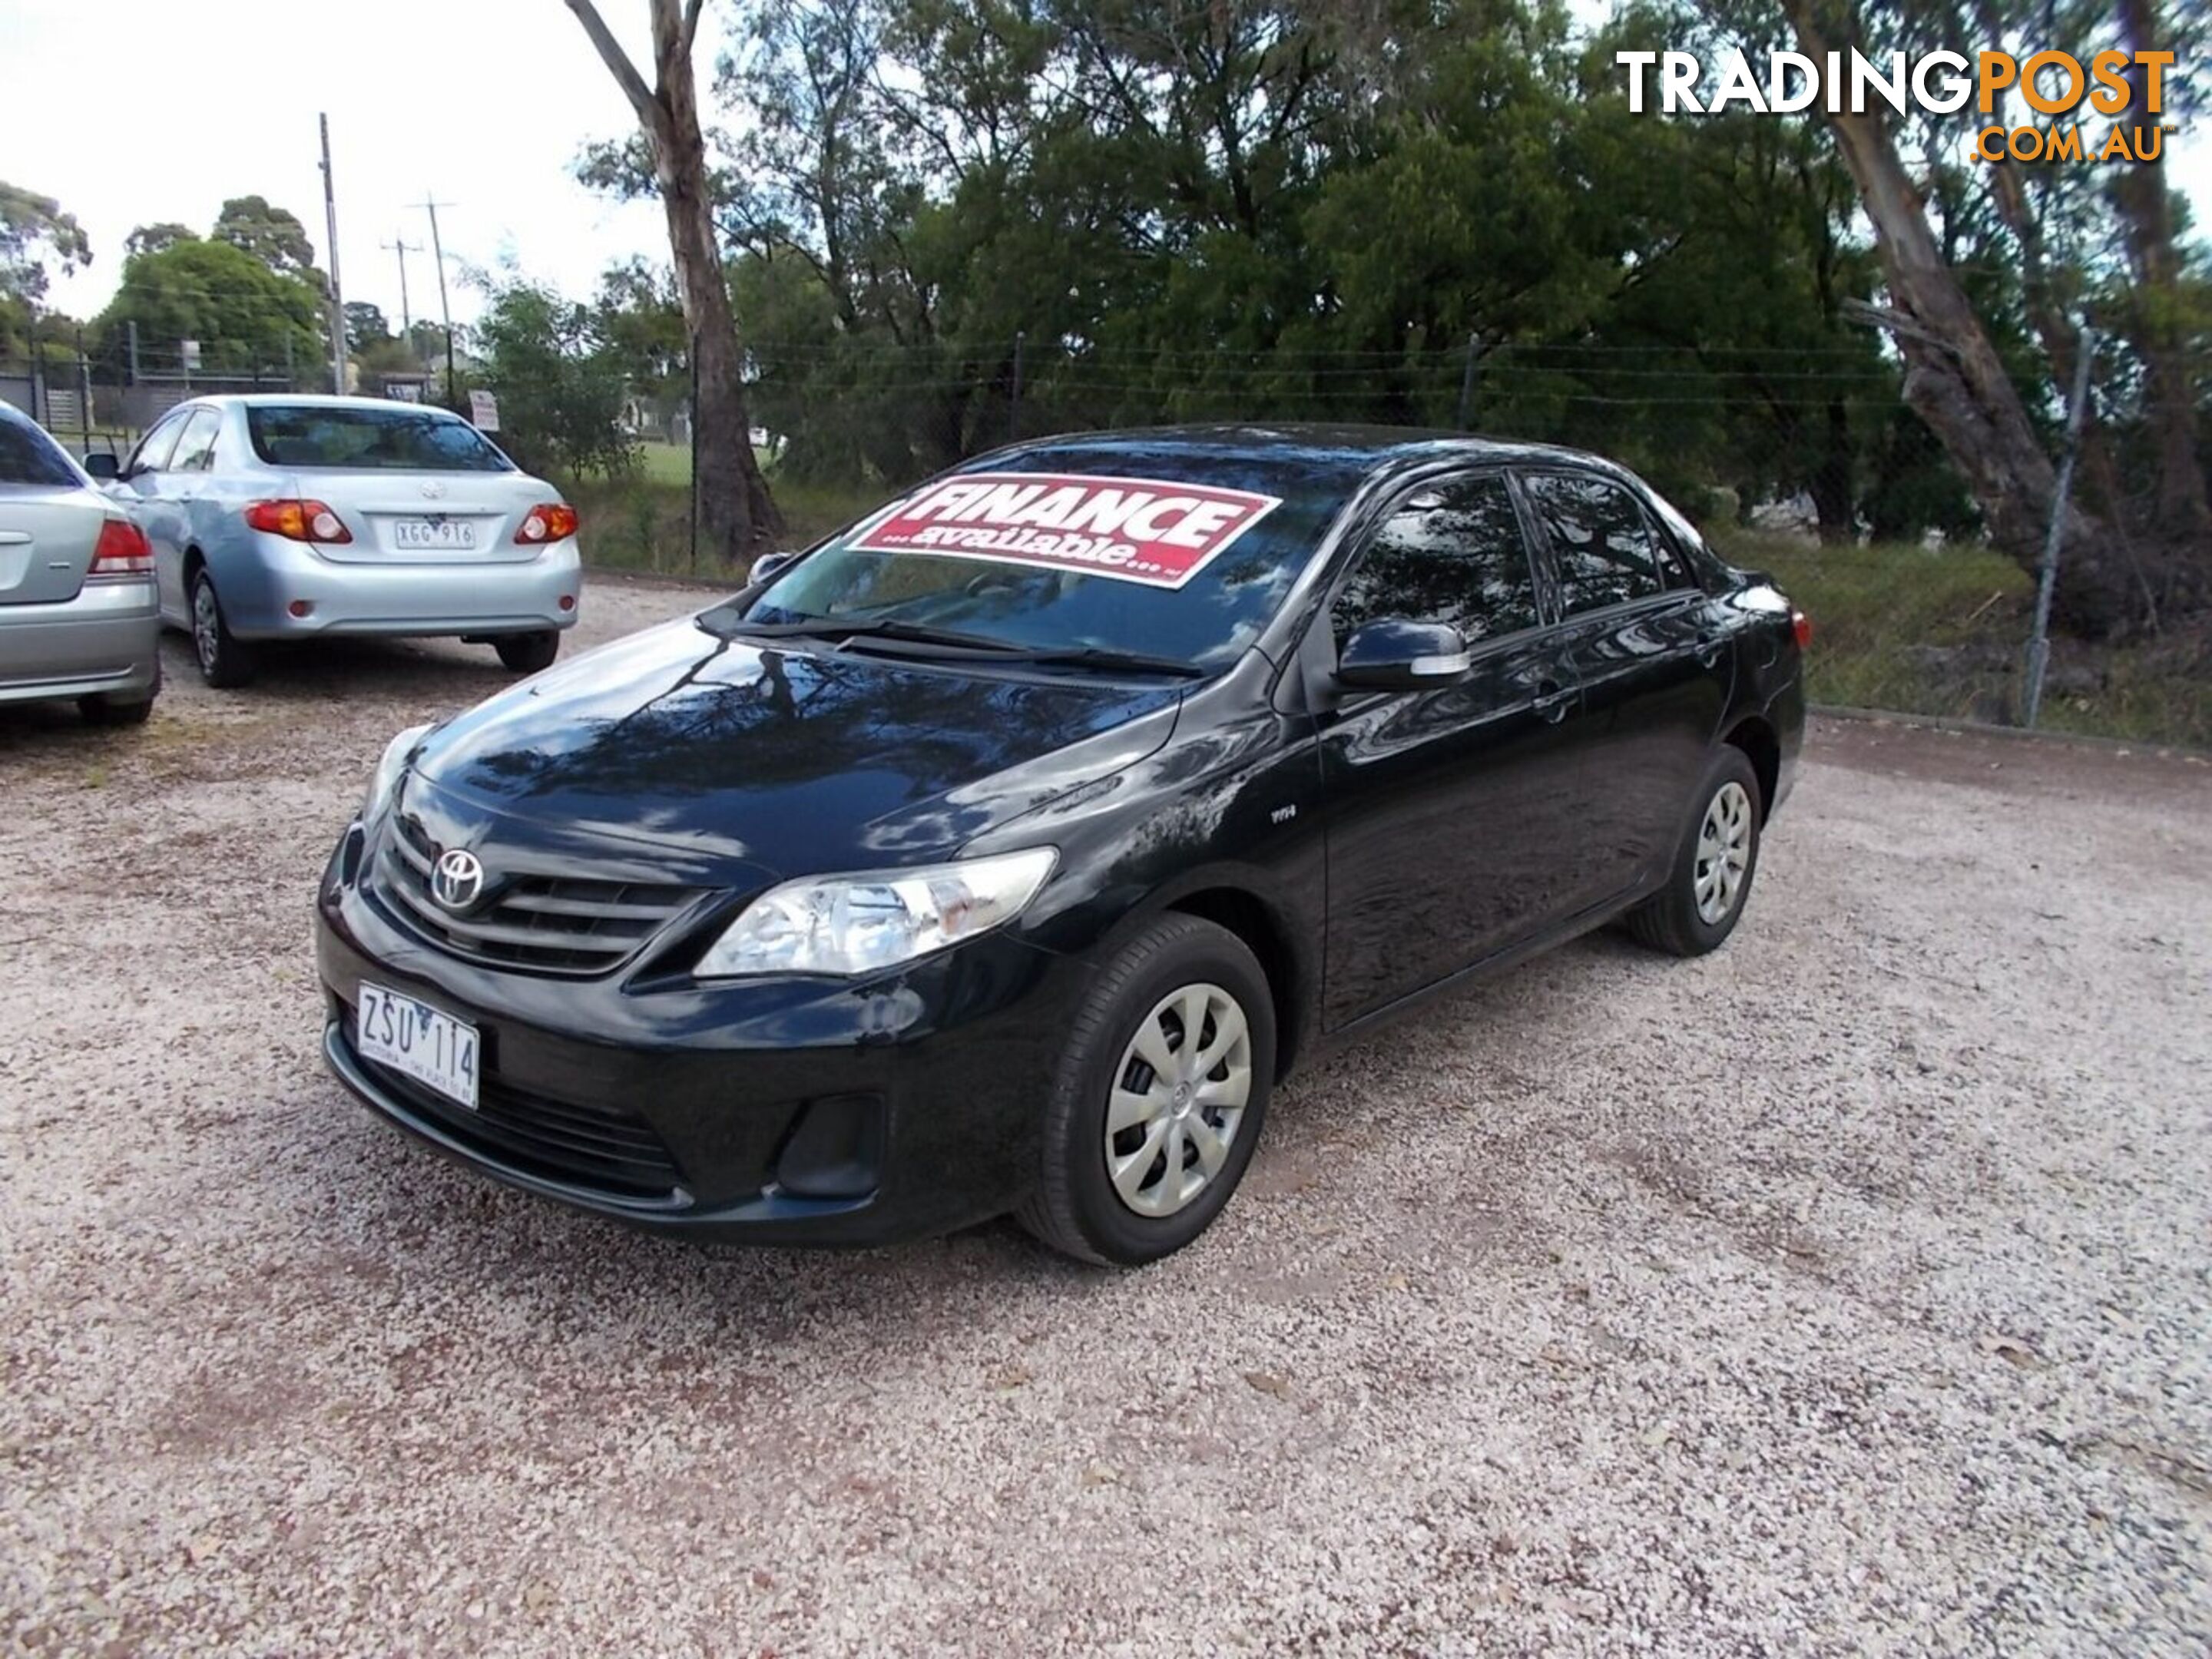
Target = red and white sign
(1133,530)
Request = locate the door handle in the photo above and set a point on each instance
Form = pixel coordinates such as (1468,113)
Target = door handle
(1551,699)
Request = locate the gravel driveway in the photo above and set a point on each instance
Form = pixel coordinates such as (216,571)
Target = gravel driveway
(1846,1291)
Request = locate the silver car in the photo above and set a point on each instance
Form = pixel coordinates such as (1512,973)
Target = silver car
(77,612)
(283,517)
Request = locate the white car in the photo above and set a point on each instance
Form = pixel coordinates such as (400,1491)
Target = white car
(277,517)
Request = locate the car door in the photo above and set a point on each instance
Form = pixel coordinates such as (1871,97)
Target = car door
(1448,810)
(139,486)
(1649,650)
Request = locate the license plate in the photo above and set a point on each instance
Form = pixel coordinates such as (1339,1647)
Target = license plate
(425,1043)
(439,534)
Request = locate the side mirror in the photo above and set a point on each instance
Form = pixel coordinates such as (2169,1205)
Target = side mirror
(1392,655)
(102,465)
(767,566)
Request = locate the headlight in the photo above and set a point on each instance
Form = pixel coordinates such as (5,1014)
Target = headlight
(385,779)
(860,923)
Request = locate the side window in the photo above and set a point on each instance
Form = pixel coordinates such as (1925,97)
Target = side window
(196,448)
(1606,552)
(152,454)
(1453,553)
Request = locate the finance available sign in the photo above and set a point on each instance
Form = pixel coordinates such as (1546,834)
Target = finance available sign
(1148,531)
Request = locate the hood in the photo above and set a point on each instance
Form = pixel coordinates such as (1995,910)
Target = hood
(798,761)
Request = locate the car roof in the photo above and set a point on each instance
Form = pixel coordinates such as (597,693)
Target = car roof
(1354,448)
(311,400)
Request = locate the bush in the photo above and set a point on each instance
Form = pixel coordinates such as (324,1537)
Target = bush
(561,390)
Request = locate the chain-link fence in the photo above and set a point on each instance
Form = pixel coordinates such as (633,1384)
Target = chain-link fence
(1808,464)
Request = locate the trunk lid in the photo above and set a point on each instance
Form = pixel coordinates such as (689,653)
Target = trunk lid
(424,517)
(47,535)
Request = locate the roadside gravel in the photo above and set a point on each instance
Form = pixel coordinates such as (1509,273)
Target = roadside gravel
(1847,1291)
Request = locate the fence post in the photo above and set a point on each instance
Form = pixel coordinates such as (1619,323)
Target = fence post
(130,334)
(2038,639)
(83,396)
(691,434)
(1014,413)
(1466,382)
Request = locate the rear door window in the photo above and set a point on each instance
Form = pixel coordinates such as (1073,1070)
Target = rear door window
(152,454)
(1451,552)
(317,435)
(27,455)
(196,447)
(1604,549)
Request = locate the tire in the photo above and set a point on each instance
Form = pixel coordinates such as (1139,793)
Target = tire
(1675,919)
(527,653)
(226,661)
(102,711)
(1177,963)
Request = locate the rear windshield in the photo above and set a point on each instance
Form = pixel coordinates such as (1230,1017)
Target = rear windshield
(1199,591)
(401,440)
(27,455)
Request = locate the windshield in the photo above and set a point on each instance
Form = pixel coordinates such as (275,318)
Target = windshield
(1143,547)
(398,440)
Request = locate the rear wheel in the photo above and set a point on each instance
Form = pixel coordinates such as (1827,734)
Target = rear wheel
(1713,867)
(526,653)
(225,660)
(1160,1096)
(104,711)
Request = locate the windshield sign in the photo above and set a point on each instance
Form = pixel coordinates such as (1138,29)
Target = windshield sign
(1135,530)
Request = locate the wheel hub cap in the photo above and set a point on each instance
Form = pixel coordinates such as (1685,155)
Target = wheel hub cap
(1178,1100)
(1724,853)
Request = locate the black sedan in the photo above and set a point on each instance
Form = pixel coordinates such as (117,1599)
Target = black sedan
(1003,852)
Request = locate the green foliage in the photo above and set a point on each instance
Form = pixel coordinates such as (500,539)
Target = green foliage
(365,324)
(244,315)
(560,388)
(153,239)
(273,236)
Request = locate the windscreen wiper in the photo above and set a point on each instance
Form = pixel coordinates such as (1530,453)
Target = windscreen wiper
(873,629)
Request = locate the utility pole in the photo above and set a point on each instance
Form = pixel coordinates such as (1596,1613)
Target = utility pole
(438,252)
(403,247)
(337,298)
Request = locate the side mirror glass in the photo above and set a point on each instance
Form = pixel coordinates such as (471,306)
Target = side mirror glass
(103,465)
(1392,655)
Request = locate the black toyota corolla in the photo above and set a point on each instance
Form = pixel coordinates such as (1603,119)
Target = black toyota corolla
(1004,851)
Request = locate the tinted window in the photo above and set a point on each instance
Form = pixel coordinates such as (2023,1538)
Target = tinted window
(1451,553)
(197,446)
(152,452)
(27,455)
(1212,619)
(404,439)
(1606,550)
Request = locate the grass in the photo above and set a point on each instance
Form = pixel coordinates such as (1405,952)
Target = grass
(644,523)
(1944,631)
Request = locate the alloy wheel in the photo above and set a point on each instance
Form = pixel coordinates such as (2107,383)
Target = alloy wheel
(1724,853)
(1178,1098)
(207,625)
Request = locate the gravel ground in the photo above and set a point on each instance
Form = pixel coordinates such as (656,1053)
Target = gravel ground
(1846,1292)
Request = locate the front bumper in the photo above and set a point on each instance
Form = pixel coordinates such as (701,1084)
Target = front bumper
(105,641)
(414,599)
(798,1111)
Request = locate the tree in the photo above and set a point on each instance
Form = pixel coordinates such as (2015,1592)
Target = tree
(561,390)
(737,515)
(153,239)
(271,234)
(33,231)
(365,324)
(245,316)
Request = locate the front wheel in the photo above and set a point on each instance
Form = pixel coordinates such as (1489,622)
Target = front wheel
(526,653)
(1160,1096)
(1711,878)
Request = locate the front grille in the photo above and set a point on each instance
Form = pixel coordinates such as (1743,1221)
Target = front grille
(607,1148)
(545,922)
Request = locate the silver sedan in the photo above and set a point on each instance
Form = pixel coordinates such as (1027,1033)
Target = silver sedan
(285,517)
(78,613)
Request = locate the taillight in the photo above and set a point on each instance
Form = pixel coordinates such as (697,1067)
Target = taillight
(1800,628)
(552,522)
(298,521)
(121,550)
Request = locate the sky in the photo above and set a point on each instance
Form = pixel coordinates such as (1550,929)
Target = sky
(137,111)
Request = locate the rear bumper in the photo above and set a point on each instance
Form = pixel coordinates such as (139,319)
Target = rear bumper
(399,598)
(105,641)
